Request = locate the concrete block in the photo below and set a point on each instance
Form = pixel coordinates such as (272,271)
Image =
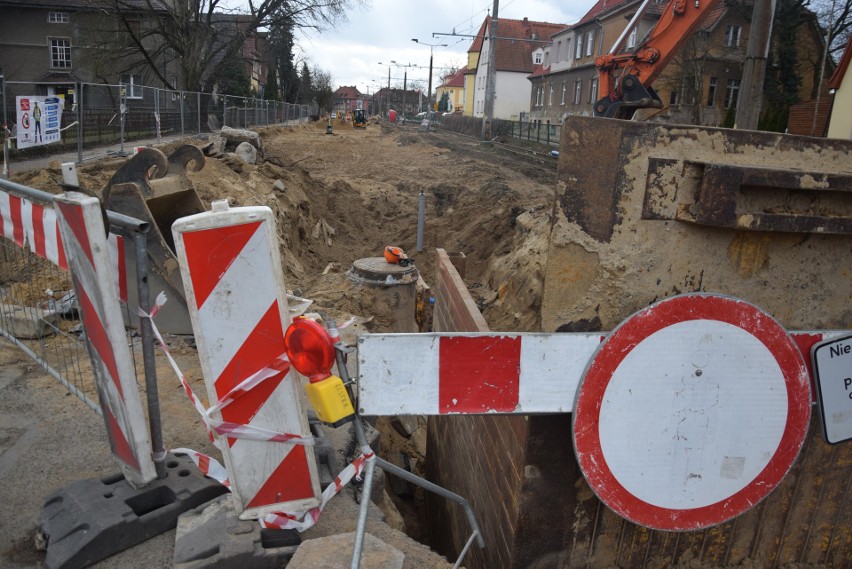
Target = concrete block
(28,323)
(335,551)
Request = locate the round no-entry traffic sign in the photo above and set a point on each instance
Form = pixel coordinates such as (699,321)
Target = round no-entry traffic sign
(691,411)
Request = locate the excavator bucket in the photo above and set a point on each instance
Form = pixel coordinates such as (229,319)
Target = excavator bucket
(155,188)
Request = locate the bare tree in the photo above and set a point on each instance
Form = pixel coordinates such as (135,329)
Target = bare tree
(195,36)
(836,17)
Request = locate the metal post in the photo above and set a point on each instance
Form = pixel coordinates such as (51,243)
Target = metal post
(122,107)
(5,127)
(225,111)
(198,98)
(548,132)
(421,220)
(182,128)
(151,392)
(80,130)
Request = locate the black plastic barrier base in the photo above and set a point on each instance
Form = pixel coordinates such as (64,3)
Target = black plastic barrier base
(214,537)
(89,520)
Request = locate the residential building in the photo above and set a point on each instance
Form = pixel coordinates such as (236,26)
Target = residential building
(566,81)
(48,46)
(701,83)
(347,99)
(514,62)
(453,86)
(840,123)
(470,69)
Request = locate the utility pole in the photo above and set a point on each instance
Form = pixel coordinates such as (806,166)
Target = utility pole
(491,77)
(750,98)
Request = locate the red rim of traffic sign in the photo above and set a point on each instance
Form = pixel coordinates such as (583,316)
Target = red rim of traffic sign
(616,347)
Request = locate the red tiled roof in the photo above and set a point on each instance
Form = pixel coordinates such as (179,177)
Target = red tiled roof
(516,54)
(347,93)
(476,46)
(602,7)
(837,76)
(539,71)
(456,79)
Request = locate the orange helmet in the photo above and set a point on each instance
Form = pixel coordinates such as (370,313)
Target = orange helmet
(394,255)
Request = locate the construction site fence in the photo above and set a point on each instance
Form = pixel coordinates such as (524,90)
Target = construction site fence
(531,130)
(39,312)
(99,120)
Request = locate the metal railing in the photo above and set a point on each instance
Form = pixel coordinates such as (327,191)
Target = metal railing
(99,119)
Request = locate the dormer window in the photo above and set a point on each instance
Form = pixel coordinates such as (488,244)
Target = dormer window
(58,17)
(537,57)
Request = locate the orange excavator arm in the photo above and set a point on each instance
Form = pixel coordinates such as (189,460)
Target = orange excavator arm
(625,78)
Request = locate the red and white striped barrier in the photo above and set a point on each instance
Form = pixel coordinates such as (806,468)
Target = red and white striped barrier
(236,298)
(447,373)
(91,268)
(35,227)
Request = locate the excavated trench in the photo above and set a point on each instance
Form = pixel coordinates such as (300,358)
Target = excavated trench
(342,197)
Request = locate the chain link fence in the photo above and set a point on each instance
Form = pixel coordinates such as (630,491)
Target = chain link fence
(98,119)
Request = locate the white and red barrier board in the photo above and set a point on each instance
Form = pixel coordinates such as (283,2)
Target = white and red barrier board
(691,412)
(91,268)
(236,298)
(443,374)
(33,226)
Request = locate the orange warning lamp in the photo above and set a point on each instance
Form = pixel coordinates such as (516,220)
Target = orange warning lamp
(310,350)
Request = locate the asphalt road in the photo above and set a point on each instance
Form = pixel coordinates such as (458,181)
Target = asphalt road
(48,439)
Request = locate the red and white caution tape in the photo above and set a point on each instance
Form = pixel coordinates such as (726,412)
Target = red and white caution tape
(228,429)
(305,520)
(299,521)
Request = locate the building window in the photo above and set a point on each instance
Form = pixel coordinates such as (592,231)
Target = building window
(590,43)
(132,85)
(578,48)
(631,39)
(593,90)
(537,58)
(732,36)
(550,97)
(538,96)
(58,17)
(60,53)
(711,91)
(578,90)
(564,92)
(558,55)
(673,98)
(731,93)
(175,85)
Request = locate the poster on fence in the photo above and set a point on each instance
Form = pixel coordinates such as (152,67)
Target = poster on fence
(38,119)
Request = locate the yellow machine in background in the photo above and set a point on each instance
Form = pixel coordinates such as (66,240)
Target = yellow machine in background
(360,120)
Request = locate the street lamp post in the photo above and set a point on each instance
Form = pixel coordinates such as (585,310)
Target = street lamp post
(429,93)
(389,78)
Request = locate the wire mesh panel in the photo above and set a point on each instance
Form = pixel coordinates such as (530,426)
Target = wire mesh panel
(39,315)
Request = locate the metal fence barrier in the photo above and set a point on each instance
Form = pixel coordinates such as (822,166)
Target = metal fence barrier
(107,119)
(38,308)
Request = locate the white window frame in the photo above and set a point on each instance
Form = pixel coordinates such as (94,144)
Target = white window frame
(58,17)
(711,91)
(564,92)
(578,48)
(60,55)
(732,36)
(132,85)
(590,43)
(593,90)
(537,58)
(578,91)
(631,38)
(550,97)
(732,92)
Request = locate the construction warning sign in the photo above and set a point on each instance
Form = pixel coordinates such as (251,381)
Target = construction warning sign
(691,411)
(38,120)
(832,361)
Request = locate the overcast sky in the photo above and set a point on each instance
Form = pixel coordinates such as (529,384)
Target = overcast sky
(383,32)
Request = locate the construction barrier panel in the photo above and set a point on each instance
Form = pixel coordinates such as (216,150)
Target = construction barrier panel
(87,251)
(237,302)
